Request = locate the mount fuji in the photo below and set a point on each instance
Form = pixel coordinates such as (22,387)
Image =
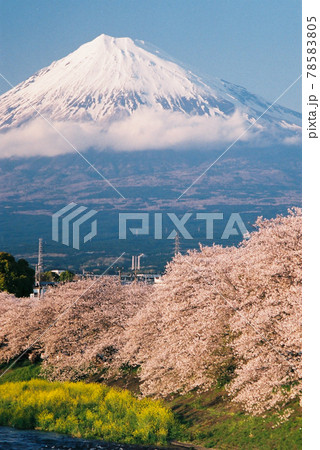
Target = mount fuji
(111,87)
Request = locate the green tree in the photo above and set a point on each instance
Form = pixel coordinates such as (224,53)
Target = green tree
(16,277)
(49,276)
(66,276)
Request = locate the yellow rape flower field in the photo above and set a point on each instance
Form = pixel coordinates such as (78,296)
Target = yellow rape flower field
(85,410)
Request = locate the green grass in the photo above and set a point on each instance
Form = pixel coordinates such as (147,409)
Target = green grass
(22,371)
(95,411)
(211,420)
(89,410)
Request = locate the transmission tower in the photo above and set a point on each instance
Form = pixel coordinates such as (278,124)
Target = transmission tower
(39,267)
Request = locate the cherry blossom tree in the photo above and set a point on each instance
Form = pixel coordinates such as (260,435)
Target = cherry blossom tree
(221,306)
(75,328)
(267,324)
(178,337)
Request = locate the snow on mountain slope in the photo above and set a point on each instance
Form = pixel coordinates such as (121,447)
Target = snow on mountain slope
(105,78)
(110,79)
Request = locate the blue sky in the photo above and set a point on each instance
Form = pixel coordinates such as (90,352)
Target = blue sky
(253,43)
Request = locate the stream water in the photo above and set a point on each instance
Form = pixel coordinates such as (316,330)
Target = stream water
(13,439)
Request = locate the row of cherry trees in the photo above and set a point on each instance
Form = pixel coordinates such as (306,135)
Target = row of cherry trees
(75,329)
(221,316)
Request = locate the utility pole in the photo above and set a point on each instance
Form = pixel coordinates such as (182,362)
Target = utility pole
(176,244)
(39,270)
(119,269)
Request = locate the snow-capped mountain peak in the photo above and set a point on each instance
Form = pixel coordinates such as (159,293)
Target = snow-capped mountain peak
(109,78)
